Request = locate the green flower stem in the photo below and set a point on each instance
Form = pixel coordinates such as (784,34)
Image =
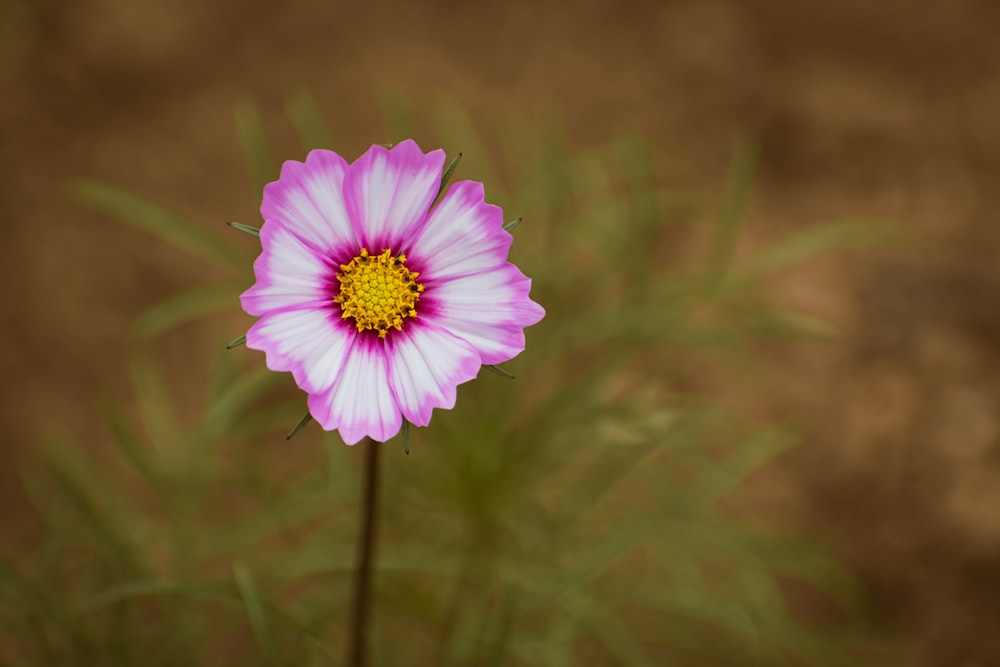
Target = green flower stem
(357,640)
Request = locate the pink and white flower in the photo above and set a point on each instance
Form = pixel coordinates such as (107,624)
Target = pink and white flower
(378,304)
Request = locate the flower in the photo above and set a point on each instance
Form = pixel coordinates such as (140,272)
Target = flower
(378,304)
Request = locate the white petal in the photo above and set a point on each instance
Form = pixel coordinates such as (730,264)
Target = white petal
(308,199)
(289,273)
(488,310)
(360,402)
(311,343)
(388,192)
(463,235)
(426,364)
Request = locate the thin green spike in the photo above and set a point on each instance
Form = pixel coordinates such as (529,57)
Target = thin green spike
(512,224)
(406,436)
(298,427)
(448,172)
(237,342)
(499,371)
(246,229)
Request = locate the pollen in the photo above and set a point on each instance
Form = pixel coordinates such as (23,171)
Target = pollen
(378,292)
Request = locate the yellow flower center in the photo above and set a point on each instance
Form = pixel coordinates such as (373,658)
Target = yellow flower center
(378,291)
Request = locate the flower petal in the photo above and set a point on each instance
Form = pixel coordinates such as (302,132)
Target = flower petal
(360,403)
(311,343)
(308,199)
(426,364)
(463,234)
(489,310)
(388,192)
(290,274)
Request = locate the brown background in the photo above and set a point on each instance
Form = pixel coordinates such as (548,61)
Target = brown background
(888,109)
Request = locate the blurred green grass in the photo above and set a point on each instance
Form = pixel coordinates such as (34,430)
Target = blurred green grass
(570,517)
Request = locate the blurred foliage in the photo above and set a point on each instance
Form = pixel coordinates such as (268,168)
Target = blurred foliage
(570,517)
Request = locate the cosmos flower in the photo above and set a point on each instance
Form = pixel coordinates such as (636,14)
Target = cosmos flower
(378,304)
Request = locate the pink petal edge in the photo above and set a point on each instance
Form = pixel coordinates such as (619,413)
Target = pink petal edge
(489,310)
(360,403)
(308,199)
(388,192)
(310,343)
(426,365)
(462,235)
(289,273)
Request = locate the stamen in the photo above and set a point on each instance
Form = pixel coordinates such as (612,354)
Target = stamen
(378,292)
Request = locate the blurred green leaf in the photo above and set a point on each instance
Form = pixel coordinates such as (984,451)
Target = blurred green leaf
(308,120)
(607,627)
(102,510)
(156,406)
(255,612)
(166,225)
(454,124)
(253,141)
(147,588)
(186,306)
(36,600)
(235,400)
(397,113)
(732,211)
(133,449)
(721,478)
(811,242)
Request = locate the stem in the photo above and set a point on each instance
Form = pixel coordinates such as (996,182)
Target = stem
(357,640)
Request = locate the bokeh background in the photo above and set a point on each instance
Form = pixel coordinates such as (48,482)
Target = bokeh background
(879,110)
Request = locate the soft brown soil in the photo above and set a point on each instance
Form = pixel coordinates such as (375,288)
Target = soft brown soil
(888,109)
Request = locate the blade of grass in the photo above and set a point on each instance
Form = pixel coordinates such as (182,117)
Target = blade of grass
(453,125)
(184,307)
(811,242)
(253,141)
(131,447)
(814,566)
(50,607)
(308,120)
(497,639)
(608,629)
(255,612)
(156,406)
(101,515)
(146,588)
(231,405)
(166,225)
(397,112)
(735,465)
(732,210)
